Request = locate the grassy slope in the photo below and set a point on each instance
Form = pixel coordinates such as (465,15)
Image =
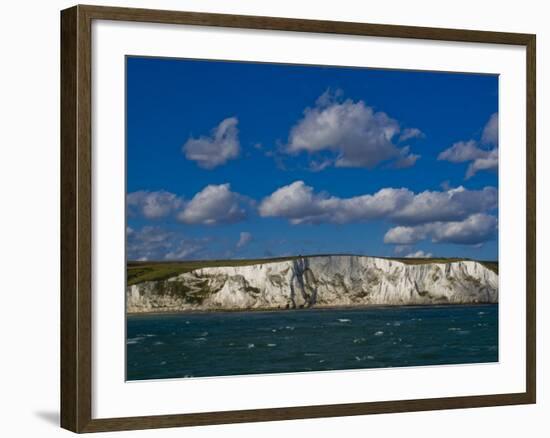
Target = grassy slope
(138,272)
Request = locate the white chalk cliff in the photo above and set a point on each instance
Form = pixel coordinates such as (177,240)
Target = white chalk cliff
(317,282)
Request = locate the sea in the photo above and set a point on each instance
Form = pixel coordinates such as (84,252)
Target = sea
(191,345)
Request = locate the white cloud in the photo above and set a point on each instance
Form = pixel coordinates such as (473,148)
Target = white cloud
(221,146)
(461,152)
(157,243)
(298,203)
(481,159)
(148,243)
(153,205)
(329,96)
(184,250)
(448,205)
(406,159)
(400,249)
(419,255)
(355,132)
(473,230)
(215,204)
(405,235)
(409,133)
(490,131)
(490,162)
(318,165)
(244,239)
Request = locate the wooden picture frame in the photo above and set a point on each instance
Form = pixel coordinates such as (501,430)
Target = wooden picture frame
(76,218)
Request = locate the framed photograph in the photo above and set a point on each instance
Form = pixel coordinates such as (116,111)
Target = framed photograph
(269,218)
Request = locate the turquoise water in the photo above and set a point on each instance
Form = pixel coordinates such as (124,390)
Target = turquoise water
(232,343)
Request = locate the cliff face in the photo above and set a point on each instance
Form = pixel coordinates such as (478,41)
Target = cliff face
(317,281)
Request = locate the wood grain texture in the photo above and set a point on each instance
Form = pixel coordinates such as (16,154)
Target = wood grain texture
(69,329)
(299,25)
(531,249)
(303,412)
(76,186)
(76,222)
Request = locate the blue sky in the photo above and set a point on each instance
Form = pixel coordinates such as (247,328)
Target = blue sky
(247,160)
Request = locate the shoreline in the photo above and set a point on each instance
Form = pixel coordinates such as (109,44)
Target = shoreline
(322,308)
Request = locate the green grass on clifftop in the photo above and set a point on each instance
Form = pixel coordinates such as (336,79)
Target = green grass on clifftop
(138,272)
